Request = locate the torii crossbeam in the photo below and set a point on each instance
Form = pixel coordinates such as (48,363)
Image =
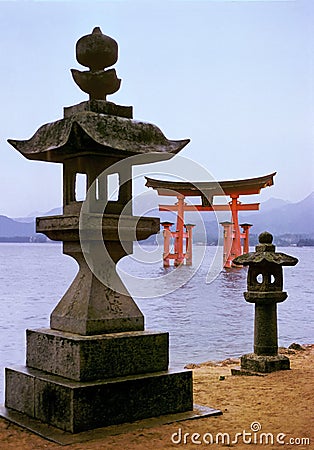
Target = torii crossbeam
(207,191)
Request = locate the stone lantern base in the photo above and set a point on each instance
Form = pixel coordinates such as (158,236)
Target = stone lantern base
(77,383)
(261,363)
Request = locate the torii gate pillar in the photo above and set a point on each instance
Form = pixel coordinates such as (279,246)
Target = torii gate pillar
(179,235)
(228,238)
(236,241)
(189,244)
(180,232)
(231,235)
(167,233)
(245,235)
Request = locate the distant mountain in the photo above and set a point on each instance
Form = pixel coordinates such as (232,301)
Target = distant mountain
(273,203)
(296,218)
(52,212)
(277,216)
(31,217)
(11,228)
(22,229)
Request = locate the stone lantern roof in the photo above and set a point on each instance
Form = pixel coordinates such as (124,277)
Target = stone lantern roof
(265,252)
(105,134)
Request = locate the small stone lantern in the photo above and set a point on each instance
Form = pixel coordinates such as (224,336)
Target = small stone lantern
(265,289)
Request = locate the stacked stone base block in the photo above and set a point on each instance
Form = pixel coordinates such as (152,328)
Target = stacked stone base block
(79,406)
(263,363)
(84,358)
(76,383)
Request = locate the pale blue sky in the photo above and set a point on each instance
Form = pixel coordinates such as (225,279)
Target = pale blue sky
(236,77)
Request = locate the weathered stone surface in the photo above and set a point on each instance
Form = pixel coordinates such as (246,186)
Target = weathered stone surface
(264,298)
(99,107)
(264,364)
(113,227)
(265,329)
(20,389)
(91,307)
(96,134)
(96,50)
(97,357)
(76,406)
(97,84)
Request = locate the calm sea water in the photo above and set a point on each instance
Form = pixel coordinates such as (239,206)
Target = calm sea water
(205,321)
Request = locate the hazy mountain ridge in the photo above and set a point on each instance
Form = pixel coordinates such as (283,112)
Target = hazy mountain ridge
(11,228)
(288,222)
(31,218)
(295,218)
(277,216)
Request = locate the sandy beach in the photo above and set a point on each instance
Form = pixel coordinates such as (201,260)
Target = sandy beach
(279,404)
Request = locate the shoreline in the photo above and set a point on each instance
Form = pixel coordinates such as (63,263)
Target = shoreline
(280,403)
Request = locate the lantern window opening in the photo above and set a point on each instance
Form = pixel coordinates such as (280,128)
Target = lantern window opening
(97,189)
(80,186)
(259,278)
(113,187)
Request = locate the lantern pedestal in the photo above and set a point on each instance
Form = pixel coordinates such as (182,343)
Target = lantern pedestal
(264,364)
(265,358)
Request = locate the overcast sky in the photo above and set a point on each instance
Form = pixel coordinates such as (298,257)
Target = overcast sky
(236,77)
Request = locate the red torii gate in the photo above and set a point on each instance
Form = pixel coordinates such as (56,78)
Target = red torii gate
(207,191)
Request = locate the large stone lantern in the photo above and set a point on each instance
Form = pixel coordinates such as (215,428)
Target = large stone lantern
(265,289)
(96,365)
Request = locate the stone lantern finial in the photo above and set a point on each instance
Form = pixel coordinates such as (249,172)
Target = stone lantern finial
(265,240)
(97,52)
